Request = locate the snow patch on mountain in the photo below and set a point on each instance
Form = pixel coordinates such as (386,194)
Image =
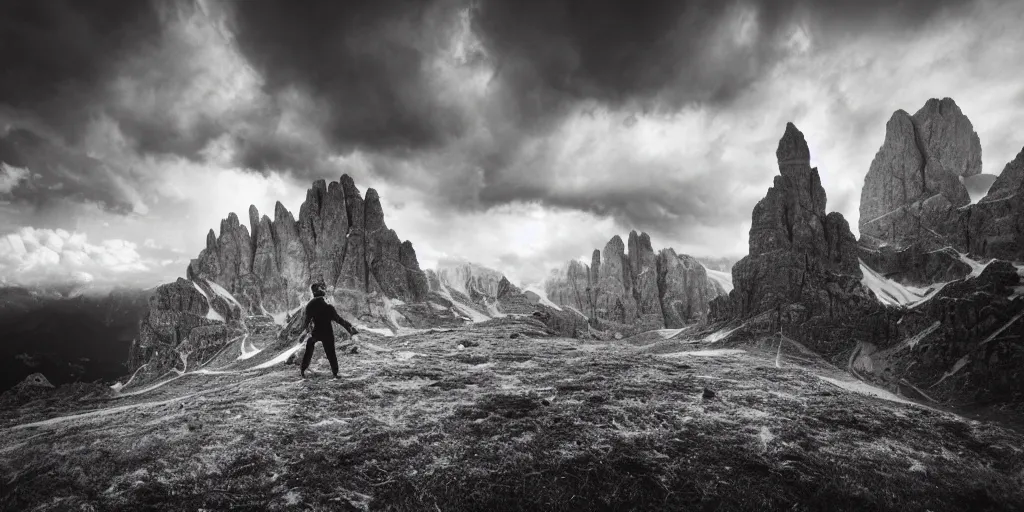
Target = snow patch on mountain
(280,358)
(246,353)
(543,298)
(492,309)
(719,335)
(865,389)
(219,290)
(211,313)
(893,293)
(281,318)
(976,266)
(722,278)
(471,313)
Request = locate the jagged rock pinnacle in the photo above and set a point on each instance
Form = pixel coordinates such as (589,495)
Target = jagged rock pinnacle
(792,148)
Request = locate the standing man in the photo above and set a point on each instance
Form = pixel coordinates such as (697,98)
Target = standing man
(321,314)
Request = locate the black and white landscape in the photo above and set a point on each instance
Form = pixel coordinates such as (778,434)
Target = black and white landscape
(651,255)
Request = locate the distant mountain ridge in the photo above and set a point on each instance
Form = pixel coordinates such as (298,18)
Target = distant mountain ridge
(635,290)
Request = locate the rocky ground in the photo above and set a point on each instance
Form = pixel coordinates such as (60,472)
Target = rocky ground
(512,420)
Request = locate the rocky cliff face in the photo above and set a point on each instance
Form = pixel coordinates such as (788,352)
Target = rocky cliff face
(685,291)
(995,225)
(640,289)
(914,204)
(187,322)
(914,185)
(339,239)
(802,273)
(961,343)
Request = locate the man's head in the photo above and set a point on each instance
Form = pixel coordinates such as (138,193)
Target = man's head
(319,289)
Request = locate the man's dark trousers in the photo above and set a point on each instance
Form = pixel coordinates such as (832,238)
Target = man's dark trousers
(332,356)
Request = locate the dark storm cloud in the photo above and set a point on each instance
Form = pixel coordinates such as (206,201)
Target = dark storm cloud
(68,63)
(61,60)
(654,199)
(556,57)
(57,174)
(657,54)
(364,77)
(363,62)
(57,54)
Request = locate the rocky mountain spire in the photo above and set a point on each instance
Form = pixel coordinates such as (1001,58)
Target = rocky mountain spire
(353,273)
(644,275)
(914,183)
(802,265)
(685,291)
(291,256)
(639,289)
(338,239)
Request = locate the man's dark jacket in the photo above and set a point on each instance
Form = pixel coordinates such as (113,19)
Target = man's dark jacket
(320,313)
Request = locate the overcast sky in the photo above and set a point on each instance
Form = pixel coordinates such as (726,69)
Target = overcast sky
(517,134)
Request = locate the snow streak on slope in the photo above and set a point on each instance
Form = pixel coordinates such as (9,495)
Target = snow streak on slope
(212,314)
(578,312)
(543,298)
(473,315)
(219,290)
(722,278)
(865,389)
(1003,328)
(891,293)
(389,310)
(118,386)
(976,267)
(492,310)
(1018,291)
(668,333)
(967,358)
(247,353)
(917,338)
(719,335)
(282,357)
(720,352)
(282,317)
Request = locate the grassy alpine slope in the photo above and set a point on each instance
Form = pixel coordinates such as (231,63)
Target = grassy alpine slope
(525,423)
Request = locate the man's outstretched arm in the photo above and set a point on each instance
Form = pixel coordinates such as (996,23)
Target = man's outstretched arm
(344,323)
